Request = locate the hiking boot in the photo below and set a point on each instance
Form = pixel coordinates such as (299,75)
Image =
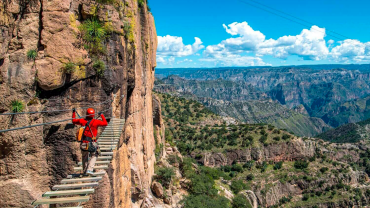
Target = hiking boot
(90,173)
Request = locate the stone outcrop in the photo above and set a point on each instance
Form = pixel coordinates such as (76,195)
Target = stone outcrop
(32,160)
(287,151)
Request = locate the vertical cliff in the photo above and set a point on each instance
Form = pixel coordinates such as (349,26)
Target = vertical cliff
(114,75)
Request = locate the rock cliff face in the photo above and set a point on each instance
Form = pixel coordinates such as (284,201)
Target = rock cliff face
(32,160)
(289,151)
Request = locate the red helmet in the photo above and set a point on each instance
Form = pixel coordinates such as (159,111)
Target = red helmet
(90,113)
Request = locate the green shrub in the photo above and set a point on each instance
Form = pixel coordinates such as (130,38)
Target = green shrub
(69,67)
(263,139)
(93,33)
(240,201)
(237,185)
(286,137)
(17,106)
(164,175)
(324,169)
(305,197)
(205,201)
(301,164)
(276,138)
(237,168)
(278,165)
(99,67)
(248,165)
(250,177)
(105,1)
(31,54)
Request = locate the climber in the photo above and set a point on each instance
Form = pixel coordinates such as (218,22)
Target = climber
(88,143)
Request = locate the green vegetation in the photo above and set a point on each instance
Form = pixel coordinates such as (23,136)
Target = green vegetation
(17,106)
(196,135)
(349,133)
(105,1)
(240,201)
(237,186)
(164,176)
(99,67)
(202,191)
(69,67)
(31,54)
(94,33)
(301,164)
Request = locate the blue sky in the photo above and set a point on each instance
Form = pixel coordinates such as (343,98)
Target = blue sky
(233,33)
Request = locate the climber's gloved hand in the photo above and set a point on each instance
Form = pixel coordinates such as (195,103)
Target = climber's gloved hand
(100,113)
(74,110)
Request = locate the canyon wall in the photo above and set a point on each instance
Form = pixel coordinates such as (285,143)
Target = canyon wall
(33,160)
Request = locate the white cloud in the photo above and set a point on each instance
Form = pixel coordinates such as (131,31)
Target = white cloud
(351,50)
(309,44)
(174,46)
(165,60)
(236,60)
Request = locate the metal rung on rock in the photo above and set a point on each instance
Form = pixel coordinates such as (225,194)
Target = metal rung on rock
(74,186)
(69,192)
(61,200)
(76,180)
(105,158)
(97,162)
(96,167)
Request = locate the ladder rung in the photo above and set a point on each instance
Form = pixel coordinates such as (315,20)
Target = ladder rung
(107,149)
(68,193)
(104,158)
(74,186)
(76,180)
(61,200)
(97,162)
(96,167)
(106,153)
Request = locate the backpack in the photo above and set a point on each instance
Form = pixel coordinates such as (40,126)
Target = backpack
(81,131)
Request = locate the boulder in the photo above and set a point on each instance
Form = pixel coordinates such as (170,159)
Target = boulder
(157,189)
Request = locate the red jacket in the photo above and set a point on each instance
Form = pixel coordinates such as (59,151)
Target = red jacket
(94,124)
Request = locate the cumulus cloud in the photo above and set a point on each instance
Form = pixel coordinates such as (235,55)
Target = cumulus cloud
(174,46)
(309,44)
(351,50)
(236,60)
(165,60)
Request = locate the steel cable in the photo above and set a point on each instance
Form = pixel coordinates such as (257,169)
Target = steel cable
(54,111)
(42,124)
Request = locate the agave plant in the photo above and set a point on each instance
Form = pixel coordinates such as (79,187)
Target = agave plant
(17,106)
(31,54)
(93,33)
(99,67)
(69,67)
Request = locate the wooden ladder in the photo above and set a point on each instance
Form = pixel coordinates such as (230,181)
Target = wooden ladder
(76,187)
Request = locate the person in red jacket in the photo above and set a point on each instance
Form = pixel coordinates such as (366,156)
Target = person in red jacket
(89,135)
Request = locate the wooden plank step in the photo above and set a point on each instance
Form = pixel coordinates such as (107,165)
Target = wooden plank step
(61,200)
(108,146)
(68,192)
(107,149)
(78,175)
(97,162)
(108,143)
(95,168)
(76,180)
(105,158)
(74,186)
(106,153)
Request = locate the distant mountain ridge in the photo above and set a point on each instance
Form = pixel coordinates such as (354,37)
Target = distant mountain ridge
(337,94)
(349,133)
(242,102)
